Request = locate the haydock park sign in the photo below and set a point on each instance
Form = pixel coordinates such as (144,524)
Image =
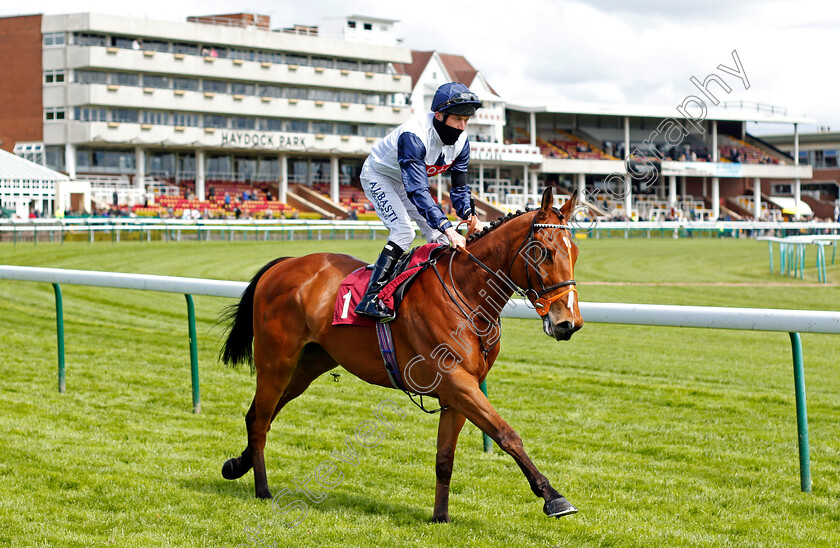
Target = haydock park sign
(263,140)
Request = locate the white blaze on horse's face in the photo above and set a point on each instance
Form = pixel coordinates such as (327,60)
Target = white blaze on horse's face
(564,318)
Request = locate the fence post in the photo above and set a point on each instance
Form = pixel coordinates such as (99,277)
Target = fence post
(59,328)
(801,414)
(488,443)
(193,354)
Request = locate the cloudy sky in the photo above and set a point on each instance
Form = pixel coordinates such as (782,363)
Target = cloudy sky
(605,51)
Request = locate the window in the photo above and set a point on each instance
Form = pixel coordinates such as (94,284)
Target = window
(322,62)
(345,64)
(269,57)
(55,157)
(155,117)
(53,39)
(242,122)
(155,45)
(155,81)
(215,86)
(373,131)
(54,113)
(271,124)
(214,120)
(187,49)
(238,88)
(351,24)
(86,39)
(368,26)
(322,95)
(270,91)
(53,76)
(123,42)
(110,160)
(348,97)
(90,114)
(373,67)
(322,127)
(297,126)
(185,119)
(91,77)
(189,84)
(125,79)
(346,129)
(124,115)
(295,93)
(294,59)
(242,54)
(373,99)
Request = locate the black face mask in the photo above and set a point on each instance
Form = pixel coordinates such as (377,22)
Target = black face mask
(446,133)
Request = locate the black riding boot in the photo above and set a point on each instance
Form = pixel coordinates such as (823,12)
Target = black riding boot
(379,277)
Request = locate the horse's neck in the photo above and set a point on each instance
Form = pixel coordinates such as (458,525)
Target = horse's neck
(495,251)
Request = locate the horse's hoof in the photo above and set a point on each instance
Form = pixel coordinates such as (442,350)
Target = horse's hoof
(559,507)
(266,494)
(441,519)
(231,471)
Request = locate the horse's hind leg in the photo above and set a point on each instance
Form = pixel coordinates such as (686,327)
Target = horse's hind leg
(313,363)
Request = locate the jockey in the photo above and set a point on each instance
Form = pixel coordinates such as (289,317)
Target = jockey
(395,178)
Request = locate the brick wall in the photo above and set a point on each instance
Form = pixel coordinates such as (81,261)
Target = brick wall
(21,110)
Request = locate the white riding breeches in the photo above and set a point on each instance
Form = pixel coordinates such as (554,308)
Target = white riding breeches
(391,203)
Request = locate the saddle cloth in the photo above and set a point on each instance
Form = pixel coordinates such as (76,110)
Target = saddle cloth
(353,287)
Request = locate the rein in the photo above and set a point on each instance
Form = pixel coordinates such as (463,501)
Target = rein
(542,303)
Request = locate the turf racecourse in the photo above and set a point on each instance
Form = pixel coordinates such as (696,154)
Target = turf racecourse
(660,436)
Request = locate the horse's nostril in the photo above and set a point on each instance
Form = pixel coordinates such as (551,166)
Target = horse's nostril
(564,326)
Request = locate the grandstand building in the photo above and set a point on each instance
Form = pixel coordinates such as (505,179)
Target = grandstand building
(211,105)
(821,151)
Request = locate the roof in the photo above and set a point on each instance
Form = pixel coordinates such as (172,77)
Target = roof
(804,138)
(457,66)
(660,111)
(788,205)
(16,168)
(373,19)
(419,60)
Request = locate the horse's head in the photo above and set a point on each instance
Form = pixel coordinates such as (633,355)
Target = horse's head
(548,255)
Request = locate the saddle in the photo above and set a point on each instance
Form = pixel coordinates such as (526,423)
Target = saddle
(353,287)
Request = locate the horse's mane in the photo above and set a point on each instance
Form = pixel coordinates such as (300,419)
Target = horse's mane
(493,224)
(504,219)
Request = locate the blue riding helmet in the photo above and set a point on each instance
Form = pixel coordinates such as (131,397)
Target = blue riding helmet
(455,98)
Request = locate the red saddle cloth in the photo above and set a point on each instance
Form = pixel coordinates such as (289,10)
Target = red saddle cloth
(353,287)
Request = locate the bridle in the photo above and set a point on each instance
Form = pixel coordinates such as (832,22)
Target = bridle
(542,303)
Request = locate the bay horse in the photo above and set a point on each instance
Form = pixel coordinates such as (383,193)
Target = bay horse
(287,311)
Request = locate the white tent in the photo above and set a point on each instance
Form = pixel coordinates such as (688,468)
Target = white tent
(24,184)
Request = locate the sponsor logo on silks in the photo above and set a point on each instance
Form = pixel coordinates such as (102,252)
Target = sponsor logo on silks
(380,202)
(431,171)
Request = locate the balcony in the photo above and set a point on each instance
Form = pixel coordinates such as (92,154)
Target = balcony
(230,69)
(496,152)
(237,105)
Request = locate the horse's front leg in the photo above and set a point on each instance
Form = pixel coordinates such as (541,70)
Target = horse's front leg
(475,406)
(451,422)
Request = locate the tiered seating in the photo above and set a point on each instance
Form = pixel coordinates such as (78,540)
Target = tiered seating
(550,150)
(736,150)
(216,207)
(351,197)
(577,148)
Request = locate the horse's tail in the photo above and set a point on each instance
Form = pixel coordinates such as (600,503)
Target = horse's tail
(240,317)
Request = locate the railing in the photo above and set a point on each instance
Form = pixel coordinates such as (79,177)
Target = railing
(751,319)
(204,229)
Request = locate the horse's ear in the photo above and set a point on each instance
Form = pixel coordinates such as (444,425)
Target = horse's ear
(569,207)
(547,199)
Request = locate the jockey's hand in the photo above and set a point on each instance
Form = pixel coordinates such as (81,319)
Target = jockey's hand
(475,224)
(455,238)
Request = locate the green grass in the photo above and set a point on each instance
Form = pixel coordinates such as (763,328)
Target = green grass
(660,436)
